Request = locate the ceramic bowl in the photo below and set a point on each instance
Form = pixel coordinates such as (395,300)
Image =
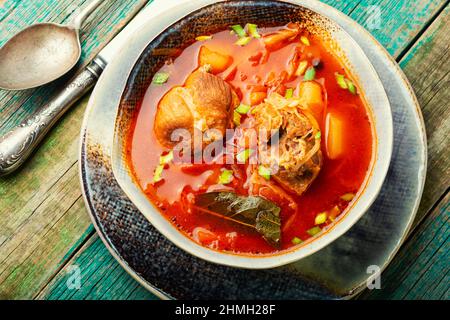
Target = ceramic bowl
(219,16)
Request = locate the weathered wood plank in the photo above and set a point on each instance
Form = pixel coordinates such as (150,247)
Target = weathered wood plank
(395,23)
(42,215)
(118,285)
(101,277)
(427,68)
(421,269)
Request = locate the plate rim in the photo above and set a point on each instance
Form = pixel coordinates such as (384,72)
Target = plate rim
(310,4)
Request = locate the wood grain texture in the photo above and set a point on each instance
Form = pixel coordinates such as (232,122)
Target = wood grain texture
(42,215)
(31,196)
(101,277)
(421,269)
(396,23)
(427,67)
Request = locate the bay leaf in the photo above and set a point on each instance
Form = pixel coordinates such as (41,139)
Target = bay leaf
(251,211)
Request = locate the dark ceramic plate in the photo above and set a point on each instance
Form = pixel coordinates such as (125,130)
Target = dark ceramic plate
(338,271)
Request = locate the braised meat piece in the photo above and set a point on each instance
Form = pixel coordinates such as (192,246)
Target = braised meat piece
(299,158)
(204,102)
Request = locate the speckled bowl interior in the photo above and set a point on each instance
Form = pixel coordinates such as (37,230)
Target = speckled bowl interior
(176,35)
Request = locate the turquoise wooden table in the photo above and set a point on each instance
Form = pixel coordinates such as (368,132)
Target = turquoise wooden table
(47,241)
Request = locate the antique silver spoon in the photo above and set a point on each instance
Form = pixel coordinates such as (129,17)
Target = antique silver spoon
(42,52)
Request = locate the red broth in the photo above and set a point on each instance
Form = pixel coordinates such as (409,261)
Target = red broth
(338,177)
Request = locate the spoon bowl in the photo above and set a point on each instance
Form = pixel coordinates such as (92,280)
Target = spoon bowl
(38,55)
(42,52)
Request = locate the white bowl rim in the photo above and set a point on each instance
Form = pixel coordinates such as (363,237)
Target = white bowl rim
(374,181)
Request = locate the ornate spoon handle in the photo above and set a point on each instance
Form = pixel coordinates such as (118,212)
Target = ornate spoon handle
(18,144)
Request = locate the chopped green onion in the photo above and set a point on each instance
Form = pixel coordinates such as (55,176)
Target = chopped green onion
(236,119)
(318,135)
(226,176)
(166,159)
(296,240)
(313,231)
(163,160)
(320,218)
(310,74)
(253,30)
(160,78)
(351,86)
(203,38)
(264,172)
(289,93)
(158,172)
(348,197)
(243,41)
(345,83)
(239,30)
(340,79)
(305,41)
(243,156)
(242,108)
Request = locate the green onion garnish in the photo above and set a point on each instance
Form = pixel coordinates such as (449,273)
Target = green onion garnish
(318,135)
(289,93)
(313,231)
(296,240)
(253,30)
(264,172)
(243,41)
(166,158)
(351,86)
(243,156)
(158,172)
(320,218)
(310,74)
(163,160)
(340,79)
(203,38)
(348,197)
(160,78)
(226,177)
(236,119)
(242,109)
(345,83)
(239,30)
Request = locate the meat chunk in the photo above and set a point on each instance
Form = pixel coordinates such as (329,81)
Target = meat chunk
(174,112)
(299,158)
(204,102)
